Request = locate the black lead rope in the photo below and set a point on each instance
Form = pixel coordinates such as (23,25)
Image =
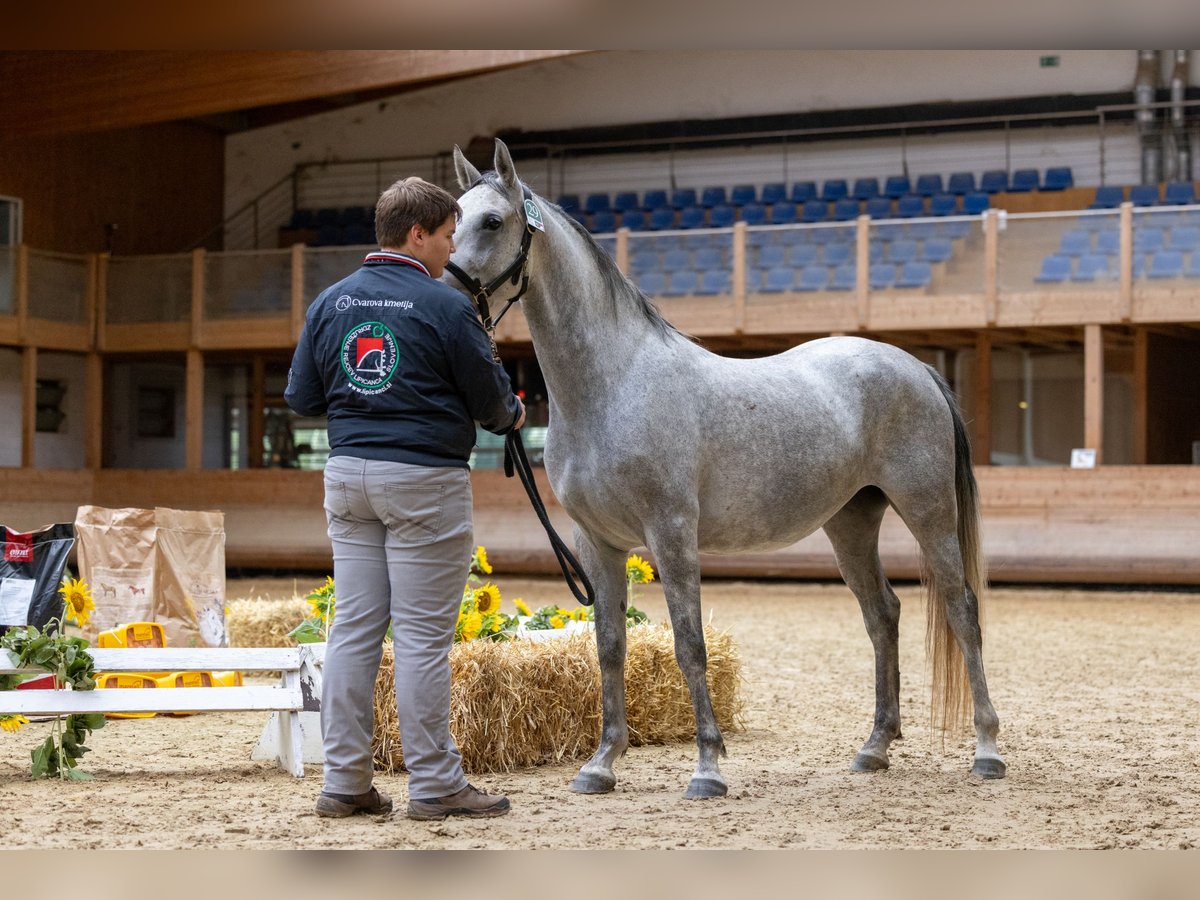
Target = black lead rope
(515,459)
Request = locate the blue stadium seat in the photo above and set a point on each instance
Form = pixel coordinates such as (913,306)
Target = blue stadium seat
(683,197)
(773,192)
(928,185)
(910,205)
(604,220)
(1058,178)
(993,181)
(772,255)
(682,281)
(865,188)
(914,274)
(920,231)
(1184,238)
(712,196)
(741,194)
(943,205)
(1075,243)
(721,216)
(662,218)
(1166,264)
(753,214)
(328,235)
(961,183)
(877,251)
(845,209)
(936,249)
(709,258)
(1024,180)
(714,281)
(1094,267)
(1108,196)
(814,211)
(879,208)
(691,217)
(644,260)
(634,220)
(1179,193)
(813,278)
(624,200)
(838,254)
(596,203)
(1147,239)
(357,233)
(802,255)
(802,192)
(844,278)
(1144,195)
(1055,269)
(954,229)
(902,251)
(975,203)
(778,278)
(1108,242)
(896,186)
(653,200)
(881,276)
(580,216)
(652,283)
(568,202)
(674,260)
(1193,266)
(784,212)
(834,189)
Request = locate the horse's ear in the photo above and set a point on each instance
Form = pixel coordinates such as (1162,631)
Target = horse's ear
(467,173)
(507,171)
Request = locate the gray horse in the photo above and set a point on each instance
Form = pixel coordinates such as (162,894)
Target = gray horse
(654,441)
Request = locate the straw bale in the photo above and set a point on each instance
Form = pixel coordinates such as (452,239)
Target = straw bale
(518,703)
(253,622)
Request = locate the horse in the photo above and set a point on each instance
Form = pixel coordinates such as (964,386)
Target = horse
(654,441)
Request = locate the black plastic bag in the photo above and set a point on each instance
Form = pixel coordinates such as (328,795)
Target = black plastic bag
(30,574)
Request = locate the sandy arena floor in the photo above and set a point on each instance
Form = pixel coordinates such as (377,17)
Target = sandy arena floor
(1096,693)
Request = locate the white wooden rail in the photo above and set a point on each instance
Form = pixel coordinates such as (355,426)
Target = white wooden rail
(299,688)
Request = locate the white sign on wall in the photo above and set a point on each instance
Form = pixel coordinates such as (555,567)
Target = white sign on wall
(1083,458)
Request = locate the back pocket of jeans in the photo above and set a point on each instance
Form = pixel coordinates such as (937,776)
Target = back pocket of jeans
(414,511)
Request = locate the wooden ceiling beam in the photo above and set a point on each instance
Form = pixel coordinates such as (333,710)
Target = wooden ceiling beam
(57,92)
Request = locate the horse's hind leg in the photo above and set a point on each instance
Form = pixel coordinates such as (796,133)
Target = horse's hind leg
(854,533)
(606,569)
(679,566)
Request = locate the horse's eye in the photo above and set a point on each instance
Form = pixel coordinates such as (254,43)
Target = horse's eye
(492,223)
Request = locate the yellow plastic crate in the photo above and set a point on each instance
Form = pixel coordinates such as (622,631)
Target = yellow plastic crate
(133,634)
(127,680)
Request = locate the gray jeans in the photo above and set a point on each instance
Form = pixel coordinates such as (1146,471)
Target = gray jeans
(402,539)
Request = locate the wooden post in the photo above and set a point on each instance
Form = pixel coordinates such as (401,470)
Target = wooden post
(739,277)
(1125,262)
(22,280)
(93,415)
(1141,394)
(298,296)
(194,427)
(991,269)
(862,279)
(198,258)
(981,436)
(1093,389)
(100,307)
(622,256)
(257,422)
(28,406)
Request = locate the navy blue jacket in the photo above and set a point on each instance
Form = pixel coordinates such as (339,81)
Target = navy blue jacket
(402,366)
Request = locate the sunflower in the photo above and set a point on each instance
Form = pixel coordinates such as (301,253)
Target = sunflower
(522,607)
(638,571)
(487,598)
(78,600)
(472,625)
(557,622)
(479,562)
(13,723)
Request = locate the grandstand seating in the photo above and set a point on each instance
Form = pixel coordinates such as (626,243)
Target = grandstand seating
(961,183)
(741,194)
(834,189)
(1055,269)
(865,188)
(1094,267)
(1179,193)
(994,181)
(683,197)
(1108,196)
(928,185)
(655,199)
(625,200)
(802,192)
(896,187)
(773,192)
(1024,180)
(1058,178)
(596,203)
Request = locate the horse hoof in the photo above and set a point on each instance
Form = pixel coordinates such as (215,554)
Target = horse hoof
(700,788)
(865,762)
(593,783)
(989,768)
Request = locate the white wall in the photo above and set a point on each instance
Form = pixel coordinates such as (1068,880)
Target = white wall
(610,88)
(64,449)
(127,450)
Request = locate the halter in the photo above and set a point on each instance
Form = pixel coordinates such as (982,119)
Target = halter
(514,273)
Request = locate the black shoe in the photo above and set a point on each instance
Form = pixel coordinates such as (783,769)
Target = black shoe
(338,806)
(470,801)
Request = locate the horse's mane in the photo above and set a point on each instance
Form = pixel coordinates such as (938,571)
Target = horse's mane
(619,287)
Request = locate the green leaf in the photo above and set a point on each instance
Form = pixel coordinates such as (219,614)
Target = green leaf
(43,758)
(77,775)
(93,721)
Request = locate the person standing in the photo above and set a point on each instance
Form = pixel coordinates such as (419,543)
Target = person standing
(403,367)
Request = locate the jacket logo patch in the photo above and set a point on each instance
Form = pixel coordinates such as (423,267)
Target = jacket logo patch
(369,357)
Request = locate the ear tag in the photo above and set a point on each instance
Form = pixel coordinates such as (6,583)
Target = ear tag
(534,215)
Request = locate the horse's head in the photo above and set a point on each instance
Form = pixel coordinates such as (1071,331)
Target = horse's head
(493,239)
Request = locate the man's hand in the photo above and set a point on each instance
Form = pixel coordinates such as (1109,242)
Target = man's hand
(521,416)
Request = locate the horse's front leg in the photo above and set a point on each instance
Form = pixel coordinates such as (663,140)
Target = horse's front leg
(605,567)
(674,548)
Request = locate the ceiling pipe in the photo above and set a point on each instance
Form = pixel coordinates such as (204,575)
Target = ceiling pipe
(1145,89)
(1182,157)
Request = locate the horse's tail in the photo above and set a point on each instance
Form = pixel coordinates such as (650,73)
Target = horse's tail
(951,698)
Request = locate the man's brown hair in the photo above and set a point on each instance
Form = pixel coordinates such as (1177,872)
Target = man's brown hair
(408,202)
